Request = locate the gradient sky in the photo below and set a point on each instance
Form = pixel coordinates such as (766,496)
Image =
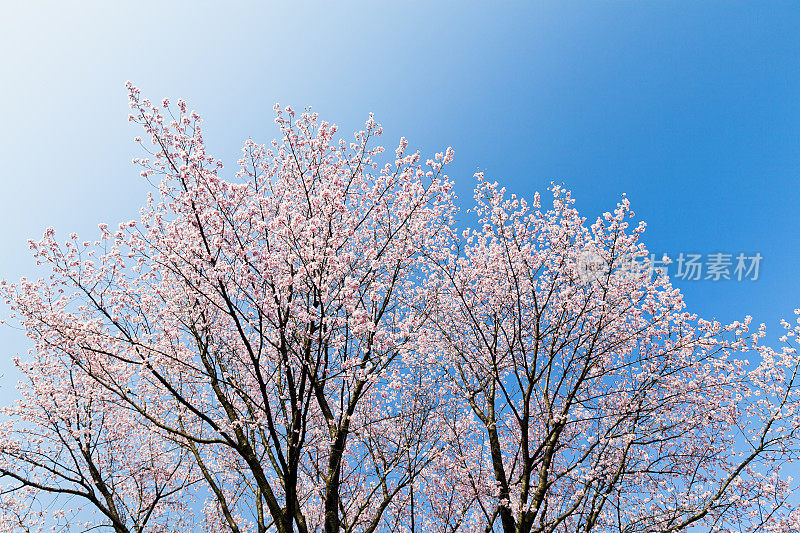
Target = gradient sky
(691,108)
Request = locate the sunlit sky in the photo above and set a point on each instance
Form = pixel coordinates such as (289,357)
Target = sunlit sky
(690,108)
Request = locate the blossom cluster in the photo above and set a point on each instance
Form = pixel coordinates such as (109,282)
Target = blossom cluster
(311,343)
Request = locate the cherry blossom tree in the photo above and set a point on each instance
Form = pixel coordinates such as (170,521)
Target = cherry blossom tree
(590,399)
(77,442)
(310,345)
(247,340)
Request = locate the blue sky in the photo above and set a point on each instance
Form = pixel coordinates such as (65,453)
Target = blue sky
(691,108)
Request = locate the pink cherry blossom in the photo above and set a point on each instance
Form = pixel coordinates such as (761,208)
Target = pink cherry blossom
(308,343)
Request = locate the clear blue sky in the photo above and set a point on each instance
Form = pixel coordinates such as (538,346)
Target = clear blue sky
(691,108)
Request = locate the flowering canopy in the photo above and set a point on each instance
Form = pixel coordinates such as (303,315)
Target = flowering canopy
(311,345)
